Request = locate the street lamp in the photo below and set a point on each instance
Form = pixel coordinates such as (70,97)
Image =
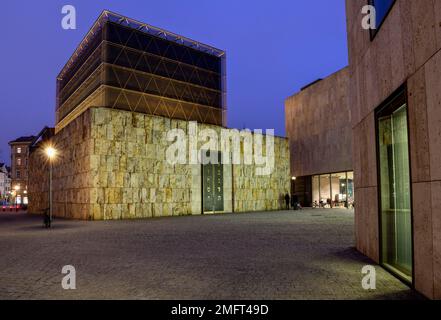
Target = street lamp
(293,179)
(51,153)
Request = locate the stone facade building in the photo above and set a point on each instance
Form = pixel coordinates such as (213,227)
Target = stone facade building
(318,126)
(389,103)
(112,165)
(395,80)
(111,132)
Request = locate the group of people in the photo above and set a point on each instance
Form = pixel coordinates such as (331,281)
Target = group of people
(292,202)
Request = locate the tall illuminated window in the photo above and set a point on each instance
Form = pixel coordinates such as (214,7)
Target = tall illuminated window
(395,187)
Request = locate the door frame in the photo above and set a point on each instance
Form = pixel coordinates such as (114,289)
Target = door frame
(202,183)
(391,103)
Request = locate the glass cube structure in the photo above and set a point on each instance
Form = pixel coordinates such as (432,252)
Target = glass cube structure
(128,65)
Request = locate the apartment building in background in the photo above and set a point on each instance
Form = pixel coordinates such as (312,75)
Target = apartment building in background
(5,183)
(20,169)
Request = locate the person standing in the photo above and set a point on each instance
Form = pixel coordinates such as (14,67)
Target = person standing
(287,201)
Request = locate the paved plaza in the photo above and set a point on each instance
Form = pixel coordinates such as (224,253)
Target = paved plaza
(306,254)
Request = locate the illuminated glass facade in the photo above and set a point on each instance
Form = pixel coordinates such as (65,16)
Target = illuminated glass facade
(128,65)
(334,190)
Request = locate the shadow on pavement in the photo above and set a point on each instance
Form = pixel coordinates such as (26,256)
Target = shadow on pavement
(55,226)
(351,254)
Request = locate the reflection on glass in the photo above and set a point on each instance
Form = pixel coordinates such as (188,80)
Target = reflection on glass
(350,183)
(395,192)
(325,190)
(382,8)
(315,191)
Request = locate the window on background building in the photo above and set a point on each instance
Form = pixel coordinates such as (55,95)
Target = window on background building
(382,8)
(18,149)
(18,174)
(18,161)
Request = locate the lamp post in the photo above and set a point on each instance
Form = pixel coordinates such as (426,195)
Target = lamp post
(50,152)
(294,184)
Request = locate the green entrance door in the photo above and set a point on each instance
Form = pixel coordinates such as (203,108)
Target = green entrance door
(395,188)
(212,186)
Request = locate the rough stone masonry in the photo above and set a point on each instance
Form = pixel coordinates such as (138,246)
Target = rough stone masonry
(112,165)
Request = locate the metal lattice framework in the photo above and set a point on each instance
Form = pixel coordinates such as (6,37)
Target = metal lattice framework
(125,64)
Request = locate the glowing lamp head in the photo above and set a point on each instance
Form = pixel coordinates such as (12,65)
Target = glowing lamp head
(294,178)
(16,188)
(50,152)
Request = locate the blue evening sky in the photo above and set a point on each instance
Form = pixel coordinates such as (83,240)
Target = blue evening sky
(273,49)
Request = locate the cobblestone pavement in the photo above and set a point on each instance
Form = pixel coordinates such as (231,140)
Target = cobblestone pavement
(304,254)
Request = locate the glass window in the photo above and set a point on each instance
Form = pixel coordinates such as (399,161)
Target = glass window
(350,189)
(325,190)
(334,190)
(315,191)
(18,149)
(395,188)
(18,161)
(382,8)
(18,174)
(338,189)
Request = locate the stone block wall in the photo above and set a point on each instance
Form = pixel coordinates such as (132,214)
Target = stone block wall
(38,185)
(318,125)
(112,165)
(72,179)
(260,193)
(131,176)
